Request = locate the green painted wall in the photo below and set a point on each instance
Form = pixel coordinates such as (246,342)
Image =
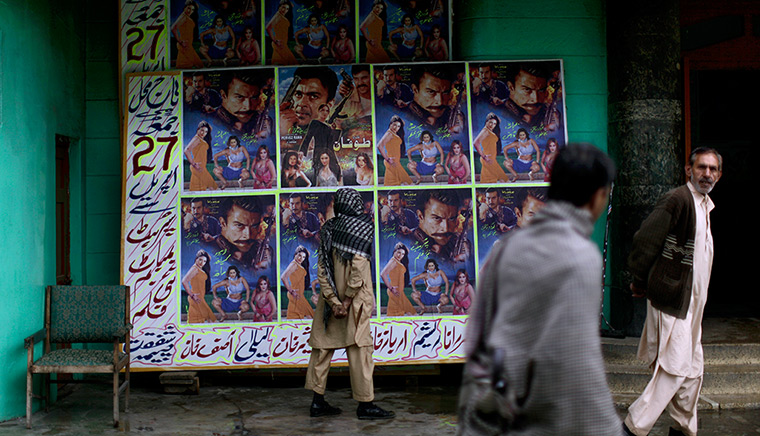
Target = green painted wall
(59,74)
(546,29)
(41,94)
(102,175)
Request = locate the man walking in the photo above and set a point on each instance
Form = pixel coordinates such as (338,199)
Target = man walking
(671,262)
(345,306)
(534,361)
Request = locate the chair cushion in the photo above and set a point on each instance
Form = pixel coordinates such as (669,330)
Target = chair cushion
(76,357)
(86,313)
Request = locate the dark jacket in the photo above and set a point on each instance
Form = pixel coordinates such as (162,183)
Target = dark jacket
(663,253)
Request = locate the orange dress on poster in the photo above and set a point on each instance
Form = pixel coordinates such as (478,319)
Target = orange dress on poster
(186,54)
(298,307)
(398,305)
(491,172)
(395,174)
(200,179)
(281,54)
(375,53)
(199,312)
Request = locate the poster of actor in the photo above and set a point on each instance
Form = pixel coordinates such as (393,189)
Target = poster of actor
(518,115)
(228,130)
(403,30)
(425,242)
(310,32)
(421,113)
(504,209)
(325,126)
(215,33)
(228,264)
(302,216)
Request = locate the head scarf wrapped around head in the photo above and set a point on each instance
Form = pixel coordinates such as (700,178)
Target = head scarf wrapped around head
(350,232)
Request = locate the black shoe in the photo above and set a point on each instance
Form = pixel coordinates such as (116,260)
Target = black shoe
(373,411)
(674,432)
(627,431)
(323,409)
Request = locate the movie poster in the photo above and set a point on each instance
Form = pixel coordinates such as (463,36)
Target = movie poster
(230,175)
(518,119)
(325,126)
(403,30)
(425,248)
(229,130)
(421,114)
(215,33)
(302,216)
(228,259)
(504,209)
(310,32)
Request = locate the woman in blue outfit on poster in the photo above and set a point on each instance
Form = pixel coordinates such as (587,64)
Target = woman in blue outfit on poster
(437,291)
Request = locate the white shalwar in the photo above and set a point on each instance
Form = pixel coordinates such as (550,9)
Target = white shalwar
(673,347)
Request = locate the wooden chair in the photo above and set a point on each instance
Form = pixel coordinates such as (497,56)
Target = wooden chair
(82,314)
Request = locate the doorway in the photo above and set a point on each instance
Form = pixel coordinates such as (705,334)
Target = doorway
(723,115)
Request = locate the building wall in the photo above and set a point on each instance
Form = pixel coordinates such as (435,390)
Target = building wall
(573,31)
(68,82)
(41,95)
(103,162)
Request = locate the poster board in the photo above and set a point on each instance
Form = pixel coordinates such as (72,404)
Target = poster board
(294,143)
(423,142)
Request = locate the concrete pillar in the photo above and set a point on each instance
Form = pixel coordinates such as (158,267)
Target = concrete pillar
(645,129)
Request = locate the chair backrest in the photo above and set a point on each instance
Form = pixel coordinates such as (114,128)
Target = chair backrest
(85,313)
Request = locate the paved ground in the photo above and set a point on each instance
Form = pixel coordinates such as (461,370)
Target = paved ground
(241,405)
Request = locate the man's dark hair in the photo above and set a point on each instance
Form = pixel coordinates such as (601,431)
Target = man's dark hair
(443,72)
(485,65)
(358,68)
(199,74)
(196,200)
(445,196)
(246,203)
(389,68)
(522,195)
(295,195)
(579,171)
(538,69)
(325,75)
(392,192)
(705,150)
(496,190)
(247,77)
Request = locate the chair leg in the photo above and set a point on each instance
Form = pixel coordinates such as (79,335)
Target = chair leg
(46,390)
(126,396)
(28,399)
(116,398)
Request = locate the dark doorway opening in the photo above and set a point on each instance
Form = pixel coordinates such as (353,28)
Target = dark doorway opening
(723,113)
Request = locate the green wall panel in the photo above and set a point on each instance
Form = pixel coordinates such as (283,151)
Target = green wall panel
(103,157)
(42,94)
(103,194)
(102,89)
(102,268)
(102,233)
(102,119)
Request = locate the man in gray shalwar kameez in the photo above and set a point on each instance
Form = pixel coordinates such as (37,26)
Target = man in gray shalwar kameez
(534,330)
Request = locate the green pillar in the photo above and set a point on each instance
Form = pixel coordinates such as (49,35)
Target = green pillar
(645,129)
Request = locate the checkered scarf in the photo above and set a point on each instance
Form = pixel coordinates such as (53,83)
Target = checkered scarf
(350,232)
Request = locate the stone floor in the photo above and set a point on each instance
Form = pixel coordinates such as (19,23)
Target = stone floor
(257,403)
